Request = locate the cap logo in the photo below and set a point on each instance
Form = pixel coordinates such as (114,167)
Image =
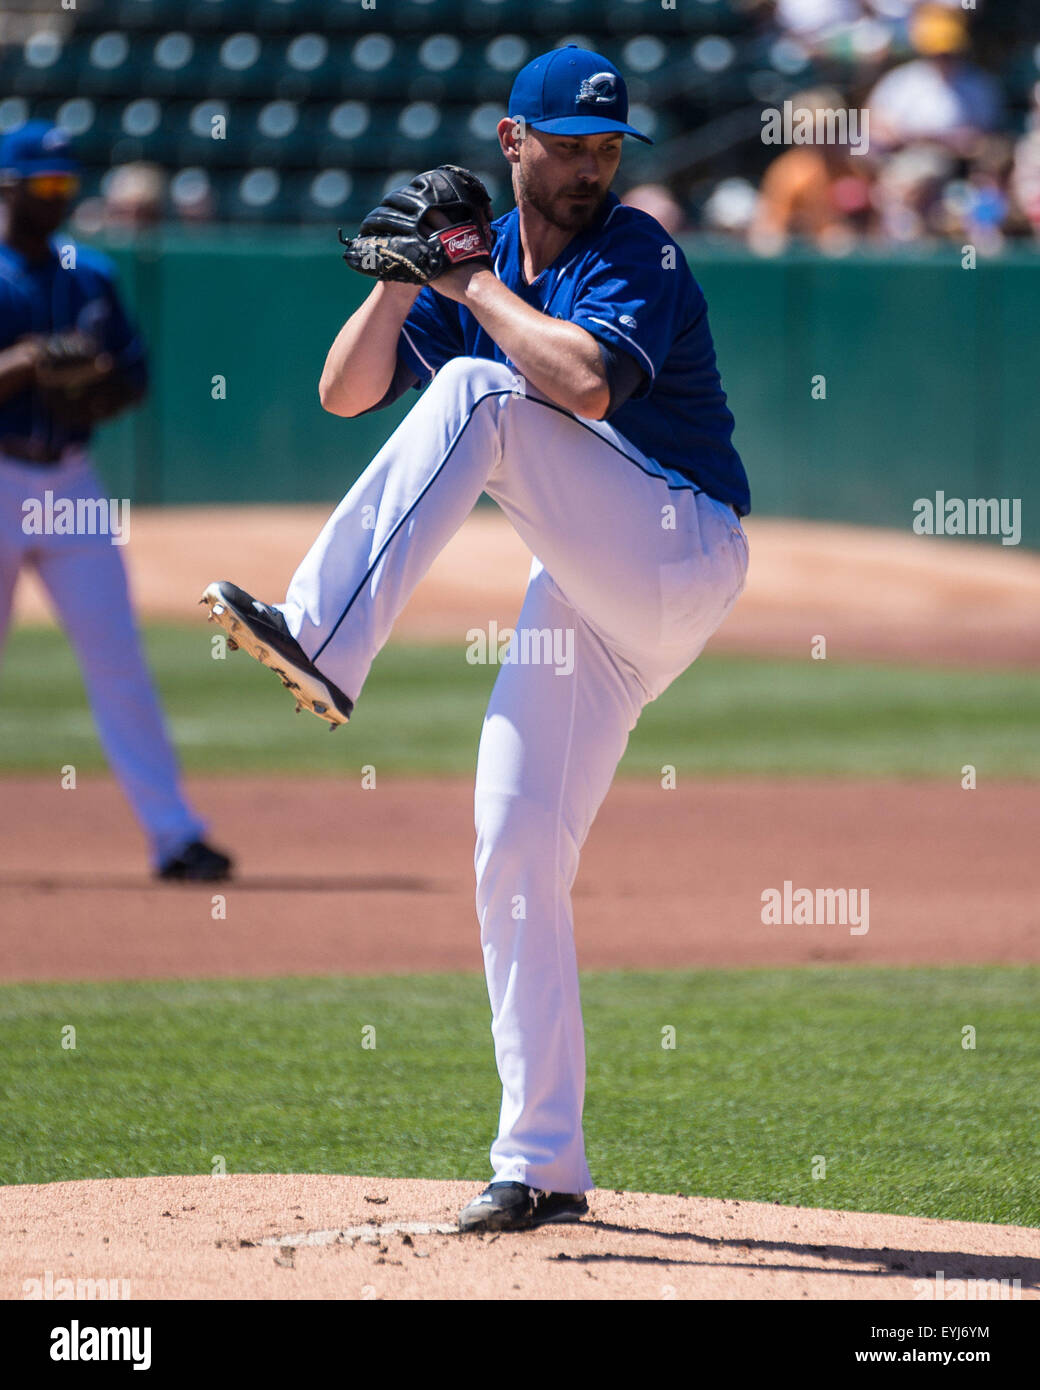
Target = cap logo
(598,90)
(55,139)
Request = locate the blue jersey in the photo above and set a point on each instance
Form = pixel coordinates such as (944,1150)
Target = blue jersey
(45,297)
(624,281)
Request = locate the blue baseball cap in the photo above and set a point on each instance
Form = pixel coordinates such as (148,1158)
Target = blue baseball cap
(37,148)
(571,91)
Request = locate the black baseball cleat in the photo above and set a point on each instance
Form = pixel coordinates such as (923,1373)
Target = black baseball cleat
(196,863)
(262,631)
(513,1206)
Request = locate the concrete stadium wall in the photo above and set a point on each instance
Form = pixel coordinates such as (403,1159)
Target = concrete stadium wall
(931,373)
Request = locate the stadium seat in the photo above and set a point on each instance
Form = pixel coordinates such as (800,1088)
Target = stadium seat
(487,17)
(211,132)
(242,66)
(14,112)
(506,54)
(377,66)
(286,17)
(344,18)
(327,194)
(45,63)
(347,135)
(628,17)
(259,195)
(280,133)
(109,64)
(416,137)
(177,62)
(153,123)
(308,66)
(193,194)
(80,118)
(212,16)
(547,18)
(129,15)
(414,17)
(439,53)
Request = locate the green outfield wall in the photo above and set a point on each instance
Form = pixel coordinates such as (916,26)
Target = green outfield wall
(931,375)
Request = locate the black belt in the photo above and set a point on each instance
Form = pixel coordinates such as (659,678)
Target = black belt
(33,451)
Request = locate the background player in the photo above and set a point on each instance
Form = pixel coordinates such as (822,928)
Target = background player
(569,372)
(70,359)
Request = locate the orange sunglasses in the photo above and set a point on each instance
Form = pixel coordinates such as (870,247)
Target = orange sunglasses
(53,185)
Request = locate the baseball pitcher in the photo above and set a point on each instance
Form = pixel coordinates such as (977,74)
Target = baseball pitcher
(565,367)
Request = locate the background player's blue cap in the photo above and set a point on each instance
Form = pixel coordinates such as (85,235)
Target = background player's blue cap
(37,148)
(571,91)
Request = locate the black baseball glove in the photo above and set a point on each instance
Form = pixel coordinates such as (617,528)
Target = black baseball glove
(78,382)
(439,220)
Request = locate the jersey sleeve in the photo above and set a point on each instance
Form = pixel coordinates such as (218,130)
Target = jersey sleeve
(104,317)
(632,295)
(430,336)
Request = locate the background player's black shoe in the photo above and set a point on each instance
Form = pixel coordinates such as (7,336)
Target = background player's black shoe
(262,631)
(512,1206)
(196,863)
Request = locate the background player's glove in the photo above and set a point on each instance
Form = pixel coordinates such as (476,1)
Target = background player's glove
(439,220)
(78,382)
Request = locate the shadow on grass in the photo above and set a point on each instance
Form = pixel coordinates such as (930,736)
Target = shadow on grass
(247,883)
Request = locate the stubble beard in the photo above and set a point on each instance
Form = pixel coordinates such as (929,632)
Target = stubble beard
(568,217)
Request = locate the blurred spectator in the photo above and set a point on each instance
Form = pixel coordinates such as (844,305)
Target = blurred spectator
(817,192)
(191,192)
(659,202)
(857,31)
(817,19)
(731,207)
(909,192)
(977,207)
(134,196)
(1025,173)
(939,96)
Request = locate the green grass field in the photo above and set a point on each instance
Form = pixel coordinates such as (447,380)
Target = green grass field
(422,709)
(770,1069)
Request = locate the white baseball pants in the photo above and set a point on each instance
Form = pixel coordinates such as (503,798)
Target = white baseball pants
(640,569)
(86,580)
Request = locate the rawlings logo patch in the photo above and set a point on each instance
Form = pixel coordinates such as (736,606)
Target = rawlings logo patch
(463,243)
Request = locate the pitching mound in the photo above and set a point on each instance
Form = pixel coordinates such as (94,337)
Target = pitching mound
(315,1236)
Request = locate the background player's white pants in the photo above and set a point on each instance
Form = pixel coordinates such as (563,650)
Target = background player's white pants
(86,580)
(632,562)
